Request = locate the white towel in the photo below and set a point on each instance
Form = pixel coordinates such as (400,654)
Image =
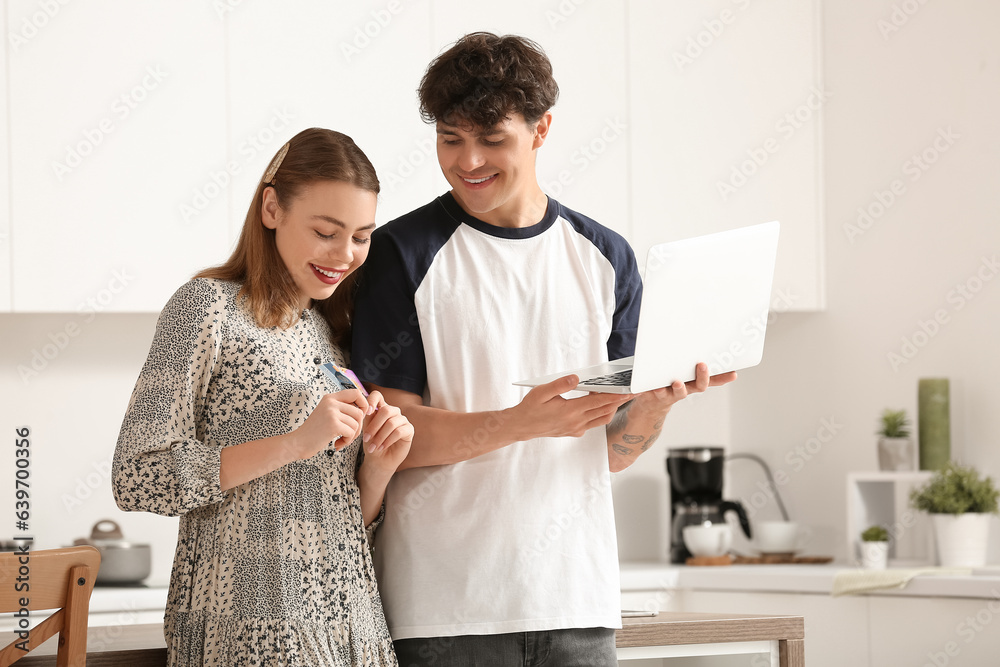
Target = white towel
(855,582)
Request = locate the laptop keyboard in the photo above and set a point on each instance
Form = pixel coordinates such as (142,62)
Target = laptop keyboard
(619,379)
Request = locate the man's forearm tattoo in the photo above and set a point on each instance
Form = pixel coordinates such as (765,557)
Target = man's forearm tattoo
(650,440)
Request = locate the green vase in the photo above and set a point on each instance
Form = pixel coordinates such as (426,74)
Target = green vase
(934,423)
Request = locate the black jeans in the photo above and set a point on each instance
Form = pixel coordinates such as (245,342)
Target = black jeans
(575,647)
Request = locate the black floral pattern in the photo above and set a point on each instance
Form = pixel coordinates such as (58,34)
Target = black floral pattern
(275,572)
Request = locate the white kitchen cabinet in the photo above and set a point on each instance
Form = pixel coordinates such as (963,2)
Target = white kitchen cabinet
(935,631)
(133,167)
(836,628)
(117,114)
(726,102)
(350,67)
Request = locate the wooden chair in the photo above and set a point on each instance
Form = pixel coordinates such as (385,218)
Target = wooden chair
(60,579)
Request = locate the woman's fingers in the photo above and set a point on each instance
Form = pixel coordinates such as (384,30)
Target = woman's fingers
(375,401)
(391,433)
(393,437)
(353,397)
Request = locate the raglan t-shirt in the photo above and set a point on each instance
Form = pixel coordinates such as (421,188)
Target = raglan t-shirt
(456,310)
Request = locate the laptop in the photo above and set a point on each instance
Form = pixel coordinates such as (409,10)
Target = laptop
(703,299)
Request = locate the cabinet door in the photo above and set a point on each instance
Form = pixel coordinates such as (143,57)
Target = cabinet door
(116,125)
(726,101)
(836,628)
(349,67)
(935,631)
(584,162)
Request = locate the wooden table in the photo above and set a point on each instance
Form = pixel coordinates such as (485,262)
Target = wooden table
(669,634)
(676,634)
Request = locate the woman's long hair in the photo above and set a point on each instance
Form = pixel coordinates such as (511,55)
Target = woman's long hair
(313,155)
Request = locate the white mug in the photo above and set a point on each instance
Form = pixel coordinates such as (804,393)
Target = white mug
(779,537)
(708,539)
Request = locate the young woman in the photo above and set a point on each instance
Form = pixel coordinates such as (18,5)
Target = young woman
(234,427)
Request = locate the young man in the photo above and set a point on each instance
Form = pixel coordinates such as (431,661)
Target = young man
(498,544)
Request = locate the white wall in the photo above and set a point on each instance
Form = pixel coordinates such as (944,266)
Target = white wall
(891,97)
(74,407)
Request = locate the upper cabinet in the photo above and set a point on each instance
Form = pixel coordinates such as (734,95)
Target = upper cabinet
(139,131)
(117,152)
(349,67)
(726,103)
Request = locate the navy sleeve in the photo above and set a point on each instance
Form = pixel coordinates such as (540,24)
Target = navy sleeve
(386,346)
(628,294)
(628,285)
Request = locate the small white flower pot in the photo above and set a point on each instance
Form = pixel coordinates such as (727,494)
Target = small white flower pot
(961,539)
(874,555)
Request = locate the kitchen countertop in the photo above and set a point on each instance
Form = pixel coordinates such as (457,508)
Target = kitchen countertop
(802,578)
(111,605)
(128,598)
(143,645)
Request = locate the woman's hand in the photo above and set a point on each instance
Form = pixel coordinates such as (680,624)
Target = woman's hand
(338,416)
(387,435)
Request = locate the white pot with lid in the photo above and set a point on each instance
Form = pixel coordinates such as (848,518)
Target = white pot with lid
(122,562)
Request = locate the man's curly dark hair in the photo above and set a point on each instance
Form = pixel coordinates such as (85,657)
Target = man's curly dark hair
(484,78)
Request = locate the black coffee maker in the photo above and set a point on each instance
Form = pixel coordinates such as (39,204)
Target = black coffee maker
(696,494)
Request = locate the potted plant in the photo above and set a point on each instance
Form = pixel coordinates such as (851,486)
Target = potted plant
(874,548)
(960,503)
(895,448)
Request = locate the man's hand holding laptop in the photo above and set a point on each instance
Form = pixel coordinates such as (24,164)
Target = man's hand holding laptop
(637,426)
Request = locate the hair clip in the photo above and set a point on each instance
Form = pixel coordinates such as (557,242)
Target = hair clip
(275,164)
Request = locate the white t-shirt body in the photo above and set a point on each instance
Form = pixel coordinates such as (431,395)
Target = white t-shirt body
(454,309)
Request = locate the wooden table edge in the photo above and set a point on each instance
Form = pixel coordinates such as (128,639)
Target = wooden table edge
(677,628)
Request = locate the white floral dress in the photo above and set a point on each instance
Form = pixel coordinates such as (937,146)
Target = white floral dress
(276,571)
